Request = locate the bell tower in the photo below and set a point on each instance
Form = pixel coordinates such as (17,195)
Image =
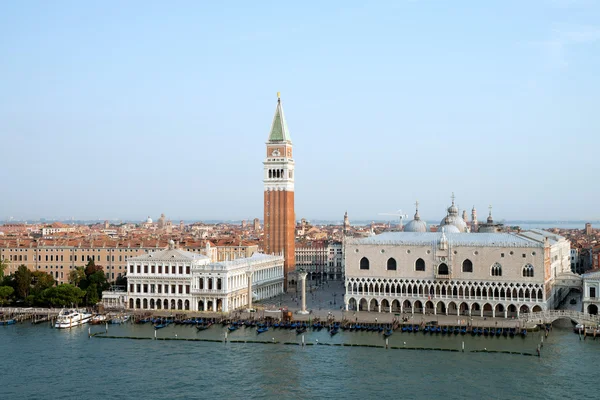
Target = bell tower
(278,179)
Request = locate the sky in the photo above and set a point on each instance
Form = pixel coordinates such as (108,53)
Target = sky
(120,110)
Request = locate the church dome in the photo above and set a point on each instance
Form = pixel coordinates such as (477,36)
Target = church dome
(148,220)
(451,229)
(416,225)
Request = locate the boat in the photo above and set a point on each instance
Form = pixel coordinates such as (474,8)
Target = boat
(300,330)
(160,326)
(524,333)
(8,322)
(233,328)
(120,319)
(387,333)
(579,328)
(334,331)
(98,319)
(68,318)
(261,330)
(203,327)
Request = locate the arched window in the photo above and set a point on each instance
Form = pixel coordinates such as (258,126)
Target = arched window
(420,265)
(496,269)
(391,264)
(270,174)
(364,263)
(467,266)
(443,269)
(528,271)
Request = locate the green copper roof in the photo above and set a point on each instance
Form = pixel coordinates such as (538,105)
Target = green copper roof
(279,130)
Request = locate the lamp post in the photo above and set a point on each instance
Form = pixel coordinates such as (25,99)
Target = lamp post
(335,294)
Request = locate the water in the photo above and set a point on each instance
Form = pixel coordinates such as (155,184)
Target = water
(39,362)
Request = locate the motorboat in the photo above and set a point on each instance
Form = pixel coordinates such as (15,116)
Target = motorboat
(69,318)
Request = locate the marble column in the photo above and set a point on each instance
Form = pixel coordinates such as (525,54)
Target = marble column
(302,275)
(249,274)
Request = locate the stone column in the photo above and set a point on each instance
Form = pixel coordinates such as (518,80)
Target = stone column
(249,274)
(302,275)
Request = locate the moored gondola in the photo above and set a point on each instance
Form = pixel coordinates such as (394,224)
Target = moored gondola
(388,332)
(261,330)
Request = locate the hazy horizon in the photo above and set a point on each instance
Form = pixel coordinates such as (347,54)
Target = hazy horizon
(115,110)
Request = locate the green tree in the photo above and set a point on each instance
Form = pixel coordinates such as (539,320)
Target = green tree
(41,281)
(22,279)
(62,295)
(5,293)
(77,275)
(3,267)
(91,295)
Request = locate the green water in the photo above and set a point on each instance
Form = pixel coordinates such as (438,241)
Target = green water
(40,362)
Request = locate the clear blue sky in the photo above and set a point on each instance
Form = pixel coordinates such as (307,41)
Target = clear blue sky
(128,109)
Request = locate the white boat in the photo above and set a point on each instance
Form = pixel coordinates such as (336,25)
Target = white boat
(68,318)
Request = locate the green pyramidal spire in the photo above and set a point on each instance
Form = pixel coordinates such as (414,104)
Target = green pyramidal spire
(279,130)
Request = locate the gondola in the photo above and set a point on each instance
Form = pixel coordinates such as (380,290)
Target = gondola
(511,333)
(438,329)
(404,329)
(232,328)
(261,330)
(387,333)
(333,331)
(463,331)
(505,332)
(524,333)
(160,326)
(203,327)
(300,330)
(456,330)
(426,329)
(498,332)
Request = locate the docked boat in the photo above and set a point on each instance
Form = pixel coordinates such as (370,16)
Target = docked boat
(8,322)
(232,328)
(119,319)
(300,330)
(203,327)
(69,318)
(387,333)
(261,330)
(98,319)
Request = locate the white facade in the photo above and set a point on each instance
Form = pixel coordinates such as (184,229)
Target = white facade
(591,292)
(173,279)
(326,261)
(478,274)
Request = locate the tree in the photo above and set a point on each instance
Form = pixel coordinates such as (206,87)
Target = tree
(77,275)
(3,267)
(62,295)
(22,281)
(5,293)
(91,295)
(41,281)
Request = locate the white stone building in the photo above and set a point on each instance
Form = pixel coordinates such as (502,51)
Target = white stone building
(478,274)
(591,291)
(174,279)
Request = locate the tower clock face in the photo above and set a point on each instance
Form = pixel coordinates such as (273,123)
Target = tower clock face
(275,153)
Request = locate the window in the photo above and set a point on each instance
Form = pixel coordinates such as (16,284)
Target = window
(420,265)
(593,292)
(139,269)
(391,264)
(496,270)
(467,266)
(501,254)
(364,263)
(187,270)
(528,271)
(443,269)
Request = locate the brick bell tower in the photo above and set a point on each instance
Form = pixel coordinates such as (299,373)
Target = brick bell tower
(279,218)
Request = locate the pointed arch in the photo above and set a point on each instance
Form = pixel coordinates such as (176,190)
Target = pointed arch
(496,269)
(364,263)
(391,264)
(467,266)
(420,265)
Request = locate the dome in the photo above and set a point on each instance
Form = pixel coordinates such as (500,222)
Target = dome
(416,225)
(451,229)
(149,220)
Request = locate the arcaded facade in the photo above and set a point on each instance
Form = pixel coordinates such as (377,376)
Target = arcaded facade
(471,274)
(174,279)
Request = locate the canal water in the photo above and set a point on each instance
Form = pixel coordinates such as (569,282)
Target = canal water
(40,362)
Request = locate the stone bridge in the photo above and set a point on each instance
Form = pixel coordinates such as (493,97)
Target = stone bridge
(549,316)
